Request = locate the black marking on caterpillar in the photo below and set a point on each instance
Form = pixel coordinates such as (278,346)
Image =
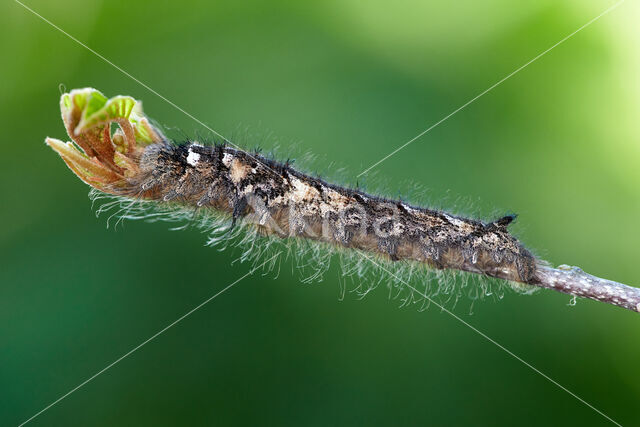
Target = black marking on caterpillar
(281,201)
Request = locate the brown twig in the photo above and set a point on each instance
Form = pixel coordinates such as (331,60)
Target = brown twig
(574,281)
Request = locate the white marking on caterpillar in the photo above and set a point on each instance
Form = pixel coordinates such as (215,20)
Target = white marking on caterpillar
(302,191)
(238,171)
(193,158)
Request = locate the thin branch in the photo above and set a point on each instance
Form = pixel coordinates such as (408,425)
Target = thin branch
(574,281)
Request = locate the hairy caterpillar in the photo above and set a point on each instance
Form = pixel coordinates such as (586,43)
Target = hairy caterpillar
(137,162)
(284,202)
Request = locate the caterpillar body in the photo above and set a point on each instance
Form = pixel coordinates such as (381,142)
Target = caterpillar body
(138,162)
(281,201)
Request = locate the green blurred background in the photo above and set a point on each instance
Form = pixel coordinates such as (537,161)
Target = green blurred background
(349,81)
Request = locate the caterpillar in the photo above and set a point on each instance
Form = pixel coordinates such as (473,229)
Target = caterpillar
(137,162)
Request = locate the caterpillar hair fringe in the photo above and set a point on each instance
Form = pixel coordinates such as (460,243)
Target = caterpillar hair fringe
(311,258)
(246,199)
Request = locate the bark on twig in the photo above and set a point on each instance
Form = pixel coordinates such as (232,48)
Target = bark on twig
(574,281)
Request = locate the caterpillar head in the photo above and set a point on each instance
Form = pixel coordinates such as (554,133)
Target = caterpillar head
(100,157)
